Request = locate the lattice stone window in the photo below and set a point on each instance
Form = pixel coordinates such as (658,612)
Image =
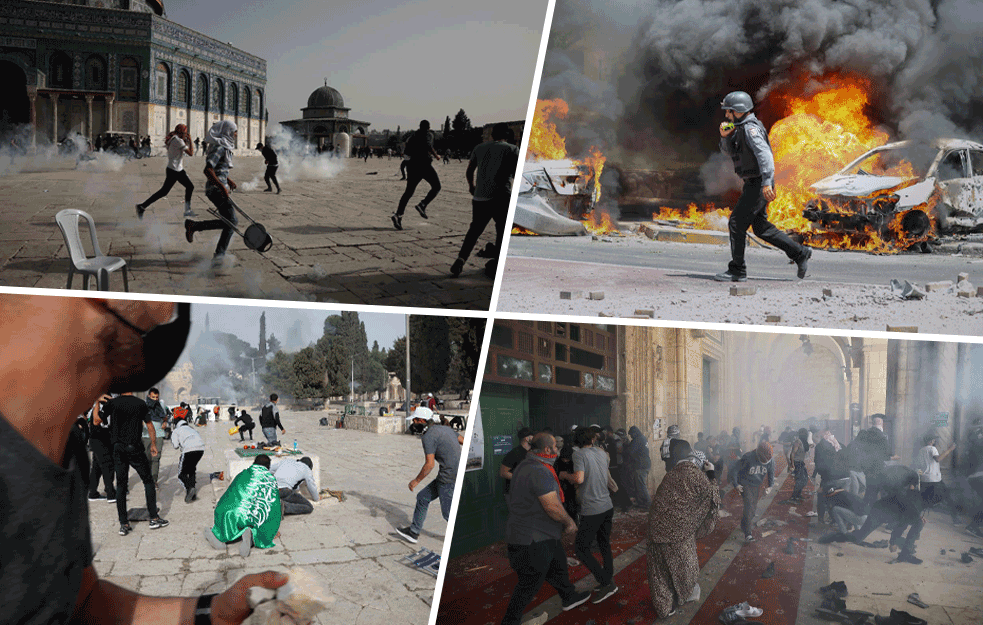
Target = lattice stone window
(163,82)
(605,383)
(545,374)
(545,326)
(545,348)
(525,342)
(183,83)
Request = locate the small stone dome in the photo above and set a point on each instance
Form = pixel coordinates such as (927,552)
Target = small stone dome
(325,97)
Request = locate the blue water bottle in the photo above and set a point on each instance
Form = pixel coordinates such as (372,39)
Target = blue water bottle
(295,444)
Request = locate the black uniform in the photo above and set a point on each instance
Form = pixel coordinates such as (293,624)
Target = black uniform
(272,164)
(750,150)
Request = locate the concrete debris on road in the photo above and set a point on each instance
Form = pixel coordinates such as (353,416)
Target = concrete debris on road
(906,290)
(743,290)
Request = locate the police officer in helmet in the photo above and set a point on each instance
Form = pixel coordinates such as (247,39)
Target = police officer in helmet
(744,138)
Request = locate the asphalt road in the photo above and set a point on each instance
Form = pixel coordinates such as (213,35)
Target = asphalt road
(688,261)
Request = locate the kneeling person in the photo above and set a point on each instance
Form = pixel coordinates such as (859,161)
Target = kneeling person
(250,509)
(289,475)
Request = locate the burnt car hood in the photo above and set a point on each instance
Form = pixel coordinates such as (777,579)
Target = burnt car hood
(857,185)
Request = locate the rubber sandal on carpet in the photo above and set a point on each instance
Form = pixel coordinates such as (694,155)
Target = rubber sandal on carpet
(745,610)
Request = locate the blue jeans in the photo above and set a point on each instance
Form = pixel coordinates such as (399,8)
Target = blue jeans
(433,490)
(270,434)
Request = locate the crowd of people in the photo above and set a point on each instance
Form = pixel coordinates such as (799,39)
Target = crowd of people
(570,485)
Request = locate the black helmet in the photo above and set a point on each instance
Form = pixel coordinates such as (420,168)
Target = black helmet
(737,101)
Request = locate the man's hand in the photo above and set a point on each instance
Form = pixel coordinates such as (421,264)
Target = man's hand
(726,129)
(768,490)
(153,450)
(471,189)
(413,484)
(232,606)
(570,528)
(232,185)
(769,193)
(740,489)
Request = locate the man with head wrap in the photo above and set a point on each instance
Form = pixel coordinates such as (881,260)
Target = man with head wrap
(178,144)
(83,347)
(218,161)
(683,510)
(750,472)
(665,450)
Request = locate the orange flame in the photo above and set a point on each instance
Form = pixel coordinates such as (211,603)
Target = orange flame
(599,222)
(544,141)
(519,230)
(820,134)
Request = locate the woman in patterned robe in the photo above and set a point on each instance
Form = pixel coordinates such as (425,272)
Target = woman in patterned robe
(252,501)
(684,509)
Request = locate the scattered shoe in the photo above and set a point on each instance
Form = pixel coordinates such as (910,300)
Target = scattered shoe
(408,534)
(189,230)
(457,267)
(190,496)
(745,610)
(156,524)
(538,619)
(837,588)
(727,276)
(603,592)
(966,558)
(397,221)
(789,549)
(578,599)
(749,538)
(803,263)
(125,529)
(975,531)
(422,209)
(212,540)
(976,551)
(96,497)
(897,617)
(247,542)
(140,211)
(914,599)
(769,572)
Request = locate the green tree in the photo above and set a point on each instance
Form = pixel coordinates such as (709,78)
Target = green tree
(309,374)
(262,334)
(430,354)
(273,344)
(279,375)
(466,336)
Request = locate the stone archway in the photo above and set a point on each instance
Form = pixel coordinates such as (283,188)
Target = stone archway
(14,104)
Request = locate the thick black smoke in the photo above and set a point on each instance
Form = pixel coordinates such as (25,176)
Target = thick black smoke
(673,60)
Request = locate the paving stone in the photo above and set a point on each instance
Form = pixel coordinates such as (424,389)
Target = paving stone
(743,289)
(596,295)
(314,556)
(571,294)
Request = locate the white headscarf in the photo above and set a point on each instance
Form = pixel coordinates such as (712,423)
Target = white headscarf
(221,134)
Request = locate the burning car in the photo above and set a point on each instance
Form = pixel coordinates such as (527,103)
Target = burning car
(904,188)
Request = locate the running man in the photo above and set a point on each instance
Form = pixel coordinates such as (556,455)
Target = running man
(178,144)
(221,142)
(272,164)
(419,149)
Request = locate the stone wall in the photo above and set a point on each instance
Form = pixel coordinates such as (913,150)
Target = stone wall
(376,424)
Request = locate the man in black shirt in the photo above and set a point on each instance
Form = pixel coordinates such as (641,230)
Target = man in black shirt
(127,415)
(81,346)
(514,457)
(272,164)
(419,149)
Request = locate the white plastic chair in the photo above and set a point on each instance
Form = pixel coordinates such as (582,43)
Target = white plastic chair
(99,265)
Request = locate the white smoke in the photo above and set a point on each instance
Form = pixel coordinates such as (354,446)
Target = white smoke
(298,160)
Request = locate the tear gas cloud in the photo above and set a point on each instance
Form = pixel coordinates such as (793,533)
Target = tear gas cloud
(297,159)
(74,152)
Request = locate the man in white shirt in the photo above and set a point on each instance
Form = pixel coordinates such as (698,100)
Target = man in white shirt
(928,464)
(178,144)
(289,475)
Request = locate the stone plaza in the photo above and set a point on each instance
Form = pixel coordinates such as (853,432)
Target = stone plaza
(351,546)
(333,238)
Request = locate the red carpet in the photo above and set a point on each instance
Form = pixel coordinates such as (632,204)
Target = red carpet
(478,585)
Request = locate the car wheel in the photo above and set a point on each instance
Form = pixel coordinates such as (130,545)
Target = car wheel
(915,223)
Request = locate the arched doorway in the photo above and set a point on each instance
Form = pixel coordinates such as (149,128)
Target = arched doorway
(14,105)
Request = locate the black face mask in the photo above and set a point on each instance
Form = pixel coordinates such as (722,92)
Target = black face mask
(162,346)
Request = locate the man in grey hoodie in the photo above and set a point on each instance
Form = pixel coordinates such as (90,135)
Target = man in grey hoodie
(749,473)
(192,446)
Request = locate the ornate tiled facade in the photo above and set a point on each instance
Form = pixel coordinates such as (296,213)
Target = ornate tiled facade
(127,67)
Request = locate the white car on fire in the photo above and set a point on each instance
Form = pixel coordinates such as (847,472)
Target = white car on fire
(898,177)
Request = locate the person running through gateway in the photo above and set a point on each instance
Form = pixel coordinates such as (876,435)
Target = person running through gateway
(218,162)
(744,138)
(419,149)
(178,144)
(272,164)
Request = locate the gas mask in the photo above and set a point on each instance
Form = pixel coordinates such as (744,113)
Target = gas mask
(162,346)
